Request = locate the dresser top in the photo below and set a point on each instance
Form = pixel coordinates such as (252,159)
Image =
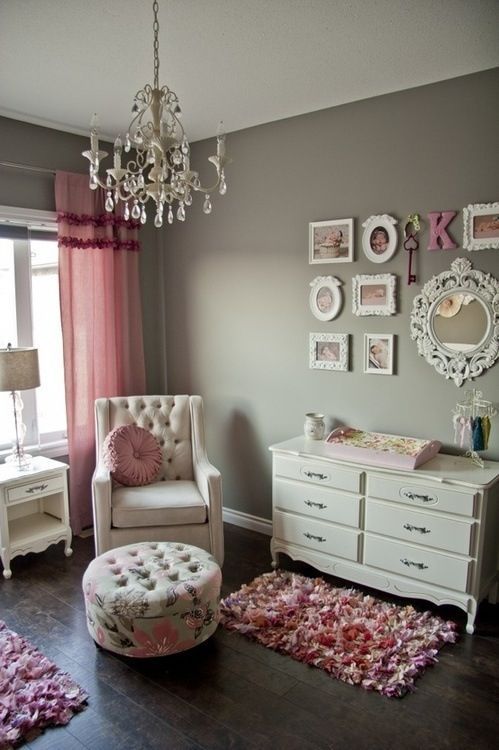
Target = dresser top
(441,468)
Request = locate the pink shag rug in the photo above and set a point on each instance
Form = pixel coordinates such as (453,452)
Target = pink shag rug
(34,693)
(352,636)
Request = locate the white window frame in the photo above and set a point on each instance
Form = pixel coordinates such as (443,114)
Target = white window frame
(33,219)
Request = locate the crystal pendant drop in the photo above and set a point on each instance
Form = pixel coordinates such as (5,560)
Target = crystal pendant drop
(207,205)
(127,143)
(109,205)
(188,199)
(93,183)
(222,189)
(158,221)
(185,146)
(136,210)
(170,215)
(181,212)
(109,181)
(140,181)
(126,213)
(143,215)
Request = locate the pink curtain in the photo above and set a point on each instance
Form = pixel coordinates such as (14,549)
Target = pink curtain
(101,321)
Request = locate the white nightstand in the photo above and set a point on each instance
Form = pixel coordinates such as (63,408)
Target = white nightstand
(34,509)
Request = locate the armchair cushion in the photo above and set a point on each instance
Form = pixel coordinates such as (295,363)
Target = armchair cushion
(132,455)
(159,504)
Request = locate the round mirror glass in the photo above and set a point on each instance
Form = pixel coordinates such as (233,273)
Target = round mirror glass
(460,321)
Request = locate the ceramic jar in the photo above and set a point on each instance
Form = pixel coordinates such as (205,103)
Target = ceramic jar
(314,426)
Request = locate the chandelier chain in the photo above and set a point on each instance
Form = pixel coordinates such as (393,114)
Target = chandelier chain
(155,8)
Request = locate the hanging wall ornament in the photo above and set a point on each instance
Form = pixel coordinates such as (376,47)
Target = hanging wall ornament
(411,243)
(440,239)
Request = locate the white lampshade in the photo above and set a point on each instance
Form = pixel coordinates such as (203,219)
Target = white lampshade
(19,369)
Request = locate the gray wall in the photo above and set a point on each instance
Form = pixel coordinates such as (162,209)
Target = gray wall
(43,147)
(237,281)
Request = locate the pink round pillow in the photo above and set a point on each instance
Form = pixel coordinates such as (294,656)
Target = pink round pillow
(132,455)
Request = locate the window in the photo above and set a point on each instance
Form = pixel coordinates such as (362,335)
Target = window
(30,316)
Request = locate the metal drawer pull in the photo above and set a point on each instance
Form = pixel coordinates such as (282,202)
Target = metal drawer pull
(421,498)
(311,504)
(312,536)
(421,529)
(36,488)
(418,565)
(317,475)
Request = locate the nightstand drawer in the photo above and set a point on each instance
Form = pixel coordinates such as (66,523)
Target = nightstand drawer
(313,472)
(36,488)
(421,495)
(317,502)
(416,562)
(324,537)
(429,529)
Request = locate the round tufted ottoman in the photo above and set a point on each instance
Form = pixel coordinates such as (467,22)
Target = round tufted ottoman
(152,599)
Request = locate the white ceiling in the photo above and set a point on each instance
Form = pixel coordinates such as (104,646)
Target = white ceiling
(244,61)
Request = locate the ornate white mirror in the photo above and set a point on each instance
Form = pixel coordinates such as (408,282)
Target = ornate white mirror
(455,322)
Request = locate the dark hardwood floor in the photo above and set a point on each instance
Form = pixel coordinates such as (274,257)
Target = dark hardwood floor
(232,693)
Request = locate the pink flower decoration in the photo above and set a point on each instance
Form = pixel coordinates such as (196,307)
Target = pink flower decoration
(164,640)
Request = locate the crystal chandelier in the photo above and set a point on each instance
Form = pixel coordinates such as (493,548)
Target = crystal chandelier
(160,165)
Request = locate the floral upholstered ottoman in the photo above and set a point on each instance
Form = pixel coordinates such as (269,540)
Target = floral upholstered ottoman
(152,599)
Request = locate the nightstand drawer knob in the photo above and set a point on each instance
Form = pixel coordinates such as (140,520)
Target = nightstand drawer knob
(36,488)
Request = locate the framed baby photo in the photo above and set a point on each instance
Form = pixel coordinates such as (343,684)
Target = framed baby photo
(330,241)
(329,351)
(481,226)
(373,294)
(325,297)
(379,241)
(378,353)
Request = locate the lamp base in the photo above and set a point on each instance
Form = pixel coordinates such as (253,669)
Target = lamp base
(21,460)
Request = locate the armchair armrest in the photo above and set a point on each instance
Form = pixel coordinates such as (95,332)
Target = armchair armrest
(101,503)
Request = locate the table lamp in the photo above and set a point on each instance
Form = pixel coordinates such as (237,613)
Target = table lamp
(18,372)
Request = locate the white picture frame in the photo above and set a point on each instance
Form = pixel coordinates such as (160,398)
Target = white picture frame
(329,351)
(378,353)
(373,294)
(379,240)
(330,241)
(481,226)
(325,297)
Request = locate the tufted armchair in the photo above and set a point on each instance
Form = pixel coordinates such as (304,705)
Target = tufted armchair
(184,504)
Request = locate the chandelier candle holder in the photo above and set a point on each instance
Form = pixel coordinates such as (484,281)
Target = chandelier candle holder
(160,168)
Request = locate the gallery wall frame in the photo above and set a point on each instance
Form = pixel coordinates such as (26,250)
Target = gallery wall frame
(374,294)
(481,226)
(326,297)
(330,241)
(379,240)
(329,351)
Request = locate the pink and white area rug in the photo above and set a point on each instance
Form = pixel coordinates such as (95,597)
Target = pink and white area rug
(352,636)
(34,693)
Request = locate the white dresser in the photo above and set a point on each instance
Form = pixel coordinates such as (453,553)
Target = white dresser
(431,533)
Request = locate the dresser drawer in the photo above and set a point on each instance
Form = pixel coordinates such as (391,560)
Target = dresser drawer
(317,473)
(416,562)
(36,488)
(421,495)
(414,526)
(318,502)
(318,535)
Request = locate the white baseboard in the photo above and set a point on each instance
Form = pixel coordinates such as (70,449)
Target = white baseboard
(247,521)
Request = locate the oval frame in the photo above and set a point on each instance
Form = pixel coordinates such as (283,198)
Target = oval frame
(387,223)
(333,284)
(454,365)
